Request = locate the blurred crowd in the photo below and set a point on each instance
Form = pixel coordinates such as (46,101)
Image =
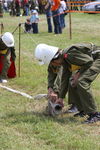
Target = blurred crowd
(24,7)
(18,7)
(54,10)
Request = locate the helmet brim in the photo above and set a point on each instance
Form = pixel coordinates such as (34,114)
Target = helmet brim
(11,45)
(41,63)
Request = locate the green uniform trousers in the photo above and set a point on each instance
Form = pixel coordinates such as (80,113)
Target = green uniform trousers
(81,94)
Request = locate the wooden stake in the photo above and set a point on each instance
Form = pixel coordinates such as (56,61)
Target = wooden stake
(19,50)
(70,22)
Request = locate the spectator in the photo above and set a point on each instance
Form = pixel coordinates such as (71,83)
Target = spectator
(12,9)
(62,13)
(5,6)
(34,19)
(25,4)
(1,8)
(56,16)
(27,26)
(48,15)
(17,7)
(42,3)
(34,5)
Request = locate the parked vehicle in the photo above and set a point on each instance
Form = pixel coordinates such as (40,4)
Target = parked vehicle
(92,7)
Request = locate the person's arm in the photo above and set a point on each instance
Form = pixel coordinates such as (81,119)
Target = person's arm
(51,76)
(64,81)
(64,84)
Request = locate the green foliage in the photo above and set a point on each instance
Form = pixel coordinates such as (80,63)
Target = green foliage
(23,123)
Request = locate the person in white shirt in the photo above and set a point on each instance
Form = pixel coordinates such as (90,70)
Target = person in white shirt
(62,9)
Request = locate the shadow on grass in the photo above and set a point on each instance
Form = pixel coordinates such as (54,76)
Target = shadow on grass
(34,117)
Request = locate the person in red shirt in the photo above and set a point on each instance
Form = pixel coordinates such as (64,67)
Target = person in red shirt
(17,7)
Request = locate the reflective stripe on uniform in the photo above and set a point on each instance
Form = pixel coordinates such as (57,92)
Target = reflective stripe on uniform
(74,68)
(3,51)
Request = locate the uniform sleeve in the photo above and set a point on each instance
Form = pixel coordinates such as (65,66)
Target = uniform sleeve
(51,77)
(64,81)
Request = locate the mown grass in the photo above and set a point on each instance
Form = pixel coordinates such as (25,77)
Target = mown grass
(23,124)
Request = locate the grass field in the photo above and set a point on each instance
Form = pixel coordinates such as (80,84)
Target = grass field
(23,125)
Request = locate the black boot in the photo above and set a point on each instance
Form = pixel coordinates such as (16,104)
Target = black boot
(93,117)
(80,114)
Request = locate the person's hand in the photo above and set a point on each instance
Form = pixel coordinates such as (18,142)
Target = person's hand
(74,79)
(52,95)
(60,102)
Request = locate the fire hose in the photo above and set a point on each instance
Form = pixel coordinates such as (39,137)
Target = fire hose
(53,109)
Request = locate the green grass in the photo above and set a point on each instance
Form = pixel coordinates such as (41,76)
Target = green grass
(23,125)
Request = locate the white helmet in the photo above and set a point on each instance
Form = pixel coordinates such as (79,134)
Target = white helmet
(8,39)
(45,53)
